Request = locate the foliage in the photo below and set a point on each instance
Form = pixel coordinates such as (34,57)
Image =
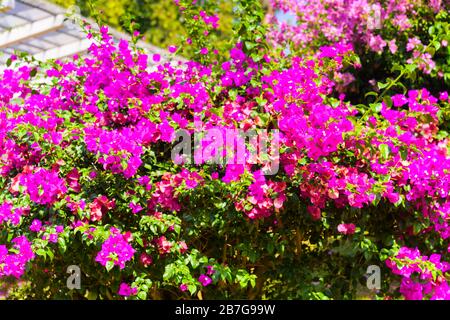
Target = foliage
(385,33)
(160,21)
(87,177)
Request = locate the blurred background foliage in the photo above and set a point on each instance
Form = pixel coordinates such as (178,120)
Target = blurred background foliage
(159,21)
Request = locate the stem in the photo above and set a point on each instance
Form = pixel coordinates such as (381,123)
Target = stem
(389,86)
(402,73)
(224,253)
(299,240)
(367,112)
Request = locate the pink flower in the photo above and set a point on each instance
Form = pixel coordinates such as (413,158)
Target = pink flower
(15,264)
(167,131)
(135,208)
(183,246)
(392,46)
(399,100)
(36,225)
(53,238)
(233,172)
(210,270)
(346,228)
(43,186)
(436,5)
(183,287)
(72,179)
(104,29)
(411,290)
(145,259)
(204,280)
(116,250)
(100,206)
(402,21)
(204,51)
(125,290)
(412,43)
(156,57)
(14,188)
(376,43)
(96,211)
(314,212)
(172,49)
(164,246)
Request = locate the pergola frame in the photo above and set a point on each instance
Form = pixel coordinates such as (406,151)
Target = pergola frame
(41,29)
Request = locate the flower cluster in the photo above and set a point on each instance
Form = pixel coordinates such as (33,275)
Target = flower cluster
(89,155)
(362,22)
(14,264)
(99,207)
(264,197)
(116,250)
(42,185)
(421,275)
(10,214)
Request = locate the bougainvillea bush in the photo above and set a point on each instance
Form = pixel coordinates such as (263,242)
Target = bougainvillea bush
(88,177)
(384,33)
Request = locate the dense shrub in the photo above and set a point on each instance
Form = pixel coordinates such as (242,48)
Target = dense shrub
(88,177)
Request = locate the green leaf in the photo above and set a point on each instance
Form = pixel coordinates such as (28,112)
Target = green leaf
(437,45)
(388,101)
(250,45)
(371,93)
(139,241)
(253,280)
(109,265)
(169,271)
(270,247)
(376,107)
(62,244)
(411,67)
(192,289)
(50,254)
(217,111)
(384,150)
(404,154)
(382,85)
(91,295)
(142,295)
(41,252)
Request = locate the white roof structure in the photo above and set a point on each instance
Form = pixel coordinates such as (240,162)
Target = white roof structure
(42,29)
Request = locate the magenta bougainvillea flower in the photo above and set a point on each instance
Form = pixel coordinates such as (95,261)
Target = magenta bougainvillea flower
(87,170)
(14,264)
(36,225)
(42,185)
(346,228)
(183,287)
(125,290)
(115,250)
(145,259)
(205,280)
